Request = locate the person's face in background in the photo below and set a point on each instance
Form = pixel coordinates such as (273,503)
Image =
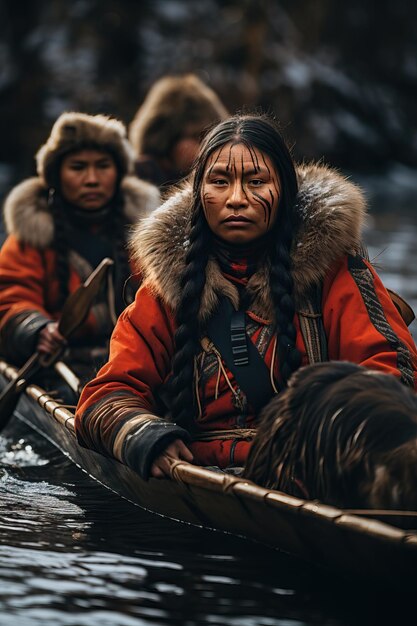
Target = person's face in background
(88,178)
(240,193)
(185,150)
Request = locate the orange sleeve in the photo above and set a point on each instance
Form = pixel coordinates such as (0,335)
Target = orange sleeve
(362,324)
(22,280)
(140,359)
(119,413)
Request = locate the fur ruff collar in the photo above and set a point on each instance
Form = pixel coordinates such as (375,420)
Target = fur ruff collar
(332,211)
(28,217)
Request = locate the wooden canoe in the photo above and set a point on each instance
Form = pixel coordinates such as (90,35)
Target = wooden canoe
(377,545)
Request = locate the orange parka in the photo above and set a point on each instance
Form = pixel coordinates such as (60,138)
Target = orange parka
(29,283)
(122,412)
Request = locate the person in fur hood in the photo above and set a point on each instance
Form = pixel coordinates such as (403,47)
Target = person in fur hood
(60,225)
(168,126)
(230,264)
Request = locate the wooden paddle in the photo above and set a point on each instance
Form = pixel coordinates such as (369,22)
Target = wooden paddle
(74,312)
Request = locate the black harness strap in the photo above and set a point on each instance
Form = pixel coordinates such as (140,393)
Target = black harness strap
(239,338)
(227,330)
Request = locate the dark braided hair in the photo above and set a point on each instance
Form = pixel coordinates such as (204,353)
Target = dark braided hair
(60,244)
(254,131)
(116,231)
(188,330)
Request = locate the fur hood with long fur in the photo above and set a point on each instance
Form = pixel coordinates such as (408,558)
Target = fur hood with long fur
(173,105)
(74,131)
(332,211)
(28,216)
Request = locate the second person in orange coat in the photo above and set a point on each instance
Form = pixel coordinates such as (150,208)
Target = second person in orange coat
(61,224)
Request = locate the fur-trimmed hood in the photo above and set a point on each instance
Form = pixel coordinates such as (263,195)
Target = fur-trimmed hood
(173,106)
(332,211)
(28,216)
(75,131)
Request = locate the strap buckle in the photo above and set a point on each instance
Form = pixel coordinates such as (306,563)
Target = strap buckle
(238,338)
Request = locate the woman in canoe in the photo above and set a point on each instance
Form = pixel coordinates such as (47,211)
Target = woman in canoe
(233,267)
(60,225)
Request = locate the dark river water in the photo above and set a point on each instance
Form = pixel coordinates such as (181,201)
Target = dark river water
(73,553)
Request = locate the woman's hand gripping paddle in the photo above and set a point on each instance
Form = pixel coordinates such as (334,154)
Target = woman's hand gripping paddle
(74,312)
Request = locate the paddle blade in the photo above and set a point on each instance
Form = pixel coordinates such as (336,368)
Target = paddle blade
(78,304)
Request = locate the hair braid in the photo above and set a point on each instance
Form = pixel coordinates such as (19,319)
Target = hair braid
(187,334)
(60,245)
(282,297)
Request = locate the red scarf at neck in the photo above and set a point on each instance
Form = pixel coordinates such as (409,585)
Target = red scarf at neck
(238,263)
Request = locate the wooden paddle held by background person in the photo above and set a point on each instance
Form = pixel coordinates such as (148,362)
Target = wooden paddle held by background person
(74,313)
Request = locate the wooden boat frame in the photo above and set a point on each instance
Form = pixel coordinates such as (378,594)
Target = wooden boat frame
(377,545)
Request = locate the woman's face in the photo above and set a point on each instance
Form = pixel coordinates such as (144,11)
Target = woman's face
(88,178)
(240,193)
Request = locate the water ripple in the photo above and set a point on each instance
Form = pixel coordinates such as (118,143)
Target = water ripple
(19,453)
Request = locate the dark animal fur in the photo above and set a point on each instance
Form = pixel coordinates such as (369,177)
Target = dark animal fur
(341,434)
